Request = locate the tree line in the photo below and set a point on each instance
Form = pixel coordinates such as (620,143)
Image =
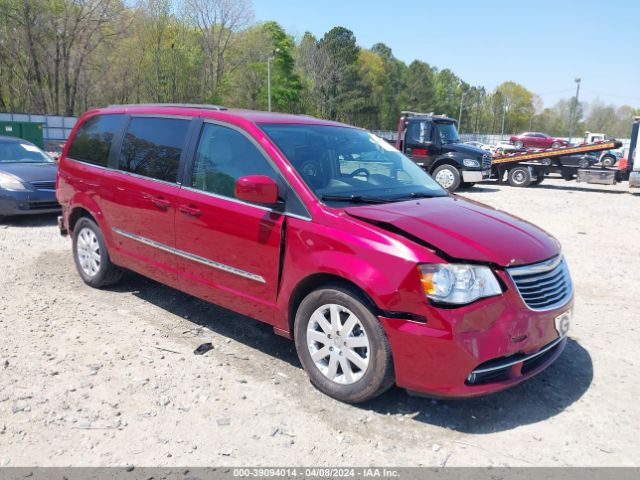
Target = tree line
(64,57)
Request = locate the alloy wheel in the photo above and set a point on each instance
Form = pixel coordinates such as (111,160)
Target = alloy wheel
(338,344)
(88,252)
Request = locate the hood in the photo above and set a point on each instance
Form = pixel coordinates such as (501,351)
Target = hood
(464,230)
(31,172)
(465,149)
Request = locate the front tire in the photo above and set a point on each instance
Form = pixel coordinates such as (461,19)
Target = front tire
(539,179)
(518,144)
(519,177)
(555,145)
(448,177)
(342,345)
(91,256)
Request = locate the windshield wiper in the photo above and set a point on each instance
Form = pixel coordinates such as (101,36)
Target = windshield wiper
(418,195)
(355,198)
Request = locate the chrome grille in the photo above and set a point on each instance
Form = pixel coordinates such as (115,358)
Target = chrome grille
(486,161)
(545,285)
(45,185)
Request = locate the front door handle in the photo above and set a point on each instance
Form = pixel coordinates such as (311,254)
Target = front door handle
(191,210)
(161,203)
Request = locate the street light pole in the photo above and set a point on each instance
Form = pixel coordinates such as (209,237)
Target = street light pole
(460,114)
(504,114)
(269,59)
(573,117)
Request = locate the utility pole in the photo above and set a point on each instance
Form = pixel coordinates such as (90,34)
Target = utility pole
(460,114)
(573,115)
(504,114)
(269,59)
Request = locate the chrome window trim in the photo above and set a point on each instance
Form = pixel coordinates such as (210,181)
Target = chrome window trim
(84,162)
(522,359)
(190,256)
(230,199)
(144,177)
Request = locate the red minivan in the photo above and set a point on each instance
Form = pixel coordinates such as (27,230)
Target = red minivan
(325,232)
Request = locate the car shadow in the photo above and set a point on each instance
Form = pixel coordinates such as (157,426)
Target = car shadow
(26,221)
(570,188)
(535,400)
(251,332)
(478,189)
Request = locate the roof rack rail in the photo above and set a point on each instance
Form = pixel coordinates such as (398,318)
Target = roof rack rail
(169,105)
(416,114)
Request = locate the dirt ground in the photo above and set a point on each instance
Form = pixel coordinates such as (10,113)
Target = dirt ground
(96,378)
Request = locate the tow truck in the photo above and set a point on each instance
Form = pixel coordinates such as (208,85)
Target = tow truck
(530,168)
(433,143)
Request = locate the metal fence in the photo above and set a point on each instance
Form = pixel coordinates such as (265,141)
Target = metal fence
(55,128)
(488,139)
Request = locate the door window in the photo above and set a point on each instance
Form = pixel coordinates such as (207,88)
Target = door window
(152,147)
(419,132)
(223,156)
(92,141)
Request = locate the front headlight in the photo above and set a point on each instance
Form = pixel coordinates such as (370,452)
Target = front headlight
(9,182)
(456,283)
(470,162)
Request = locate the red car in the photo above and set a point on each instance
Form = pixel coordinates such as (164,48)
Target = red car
(325,232)
(537,140)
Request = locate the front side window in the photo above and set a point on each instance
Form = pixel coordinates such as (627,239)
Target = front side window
(152,147)
(342,164)
(92,141)
(223,156)
(448,132)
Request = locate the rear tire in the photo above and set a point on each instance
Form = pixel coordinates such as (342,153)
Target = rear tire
(351,366)
(519,177)
(555,145)
(447,176)
(608,160)
(91,256)
(518,144)
(584,163)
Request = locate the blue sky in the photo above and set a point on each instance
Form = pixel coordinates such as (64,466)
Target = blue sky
(541,44)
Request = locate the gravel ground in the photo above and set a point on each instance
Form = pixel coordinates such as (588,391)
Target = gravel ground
(96,378)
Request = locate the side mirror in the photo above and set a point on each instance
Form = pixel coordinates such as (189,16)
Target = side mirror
(257,189)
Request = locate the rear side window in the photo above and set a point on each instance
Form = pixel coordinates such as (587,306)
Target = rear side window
(92,142)
(152,147)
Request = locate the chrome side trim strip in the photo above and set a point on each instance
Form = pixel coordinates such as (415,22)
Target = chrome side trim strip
(522,359)
(190,256)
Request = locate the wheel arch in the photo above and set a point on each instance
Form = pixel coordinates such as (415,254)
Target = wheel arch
(76,214)
(318,280)
(454,162)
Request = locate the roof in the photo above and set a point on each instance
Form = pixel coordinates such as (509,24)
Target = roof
(215,111)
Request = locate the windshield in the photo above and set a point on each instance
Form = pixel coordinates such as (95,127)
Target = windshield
(448,132)
(342,164)
(22,152)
